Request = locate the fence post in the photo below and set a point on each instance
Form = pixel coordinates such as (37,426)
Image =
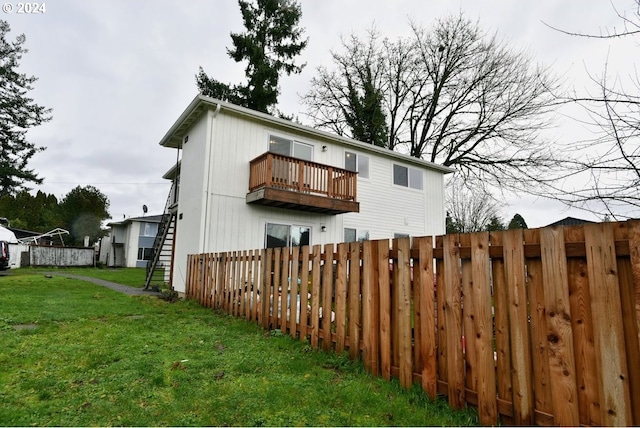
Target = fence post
(468,313)
(513,251)
(274,298)
(383,344)
(425,322)
(315,296)
(354,300)
(327,293)
(538,323)
(248,292)
(482,334)
(615,406)
(562,375)
(341,297)
(206,280)
(370,324)
(221,260)
(189,286)
(453,322)
(258,285)
(202,278)
(440,311)
(294,293)
(267,293)
(285,287)
(631,307)
(403,312)
(304,293)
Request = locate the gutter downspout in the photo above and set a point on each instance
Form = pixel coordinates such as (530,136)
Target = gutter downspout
(207,221)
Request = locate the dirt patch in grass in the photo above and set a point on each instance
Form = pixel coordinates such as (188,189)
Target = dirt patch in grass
(20,327)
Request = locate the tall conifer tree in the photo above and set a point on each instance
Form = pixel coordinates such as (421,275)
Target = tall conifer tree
(18,113)
(270,44)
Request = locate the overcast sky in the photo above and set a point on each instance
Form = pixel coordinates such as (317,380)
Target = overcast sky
(118,73)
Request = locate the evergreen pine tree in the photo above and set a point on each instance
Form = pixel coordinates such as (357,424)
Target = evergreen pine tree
(364,113)
(18,113)
(517,222)
(269,45)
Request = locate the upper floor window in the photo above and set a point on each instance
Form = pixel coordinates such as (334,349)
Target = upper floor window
(407,177)
(287,147)
(357,163)
(148,229)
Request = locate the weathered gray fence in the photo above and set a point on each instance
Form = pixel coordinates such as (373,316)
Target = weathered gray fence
(42,255)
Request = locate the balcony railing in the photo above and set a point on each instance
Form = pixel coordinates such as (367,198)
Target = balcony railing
(300,177)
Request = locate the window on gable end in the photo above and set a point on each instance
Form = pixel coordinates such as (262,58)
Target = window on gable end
(408,177)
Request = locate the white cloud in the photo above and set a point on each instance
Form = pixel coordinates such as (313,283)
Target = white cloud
(118,73)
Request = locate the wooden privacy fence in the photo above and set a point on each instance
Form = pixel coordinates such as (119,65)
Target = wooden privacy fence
(535,326)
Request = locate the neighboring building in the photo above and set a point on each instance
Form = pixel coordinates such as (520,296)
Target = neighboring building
(249,180)
(7,256)
(26,235)
(129,242)
(37,238)
(569,221)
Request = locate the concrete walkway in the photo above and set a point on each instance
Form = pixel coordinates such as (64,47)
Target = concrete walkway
(131,291)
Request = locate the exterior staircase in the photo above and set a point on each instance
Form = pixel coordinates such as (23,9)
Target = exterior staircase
(159,264)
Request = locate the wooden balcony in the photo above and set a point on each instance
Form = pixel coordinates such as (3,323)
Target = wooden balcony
(286,182)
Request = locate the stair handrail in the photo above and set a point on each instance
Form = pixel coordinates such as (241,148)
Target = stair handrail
(161,235)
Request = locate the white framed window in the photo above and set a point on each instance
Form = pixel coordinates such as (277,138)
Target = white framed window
(355,235)
(288,147)
(286,235)
(144,253)
(357,163)
(148,229)
(407,177)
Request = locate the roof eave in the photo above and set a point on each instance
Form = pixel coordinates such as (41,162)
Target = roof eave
(174,138)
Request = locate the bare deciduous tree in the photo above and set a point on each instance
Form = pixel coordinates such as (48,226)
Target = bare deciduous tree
(611,166)
(452,95)
(470,211)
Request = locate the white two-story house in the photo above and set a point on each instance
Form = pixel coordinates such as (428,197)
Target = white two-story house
(248,180)
(129,242)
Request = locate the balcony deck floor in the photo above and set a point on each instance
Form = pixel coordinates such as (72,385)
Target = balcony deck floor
(282,198)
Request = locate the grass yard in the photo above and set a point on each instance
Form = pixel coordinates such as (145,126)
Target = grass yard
(133,277)
(76,354)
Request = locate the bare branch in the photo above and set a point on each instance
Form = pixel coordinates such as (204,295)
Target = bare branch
(453,95)
(614,35)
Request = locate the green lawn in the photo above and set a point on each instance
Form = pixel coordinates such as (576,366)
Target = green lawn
(133,277)
(73,353)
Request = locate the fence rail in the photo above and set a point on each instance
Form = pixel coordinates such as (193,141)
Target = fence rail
(537,326)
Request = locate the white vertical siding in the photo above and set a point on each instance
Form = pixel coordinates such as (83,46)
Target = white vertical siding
(386,208)
(434,209)
(238,226)
(214,183)
(192,193)
(131,244)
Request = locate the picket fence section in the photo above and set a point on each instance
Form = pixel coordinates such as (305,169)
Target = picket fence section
(534,327)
